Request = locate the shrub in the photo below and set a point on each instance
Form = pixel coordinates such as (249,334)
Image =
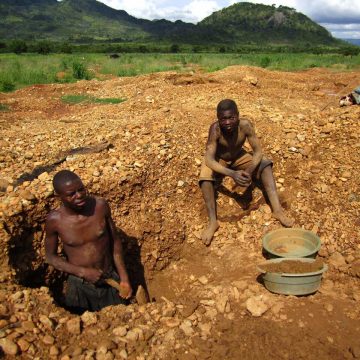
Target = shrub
(18,46)
(43,47)
(265,62)
(7,86)
(174,48)
(80,71)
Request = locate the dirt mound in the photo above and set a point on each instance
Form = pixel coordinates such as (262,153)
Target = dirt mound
(149,175)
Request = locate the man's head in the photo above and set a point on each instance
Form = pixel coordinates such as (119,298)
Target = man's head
(228,115)
(70,189)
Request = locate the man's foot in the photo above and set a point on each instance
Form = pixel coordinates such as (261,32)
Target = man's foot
(285,220)
(209,232)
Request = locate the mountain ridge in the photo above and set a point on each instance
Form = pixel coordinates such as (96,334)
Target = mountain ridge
(91,20)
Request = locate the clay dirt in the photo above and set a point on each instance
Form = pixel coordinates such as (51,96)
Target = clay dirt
(144,156)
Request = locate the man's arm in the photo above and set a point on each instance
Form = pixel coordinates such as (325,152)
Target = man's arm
(58,262)
(118,254)
(211,147)
(241,177)
(255,145)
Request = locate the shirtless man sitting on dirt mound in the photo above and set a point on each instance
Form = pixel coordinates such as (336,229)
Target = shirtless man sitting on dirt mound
(225,156)
(92,247)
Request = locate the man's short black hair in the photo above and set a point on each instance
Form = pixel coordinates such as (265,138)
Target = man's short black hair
(227,104)
(62,177)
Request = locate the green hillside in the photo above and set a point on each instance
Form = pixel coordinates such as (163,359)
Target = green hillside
(247,22)
(89,20)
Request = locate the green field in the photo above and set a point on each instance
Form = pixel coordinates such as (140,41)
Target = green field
(17,71)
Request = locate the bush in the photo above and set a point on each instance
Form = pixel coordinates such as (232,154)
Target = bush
(18,46)
(7,86)
(66,48)
(174,48)
(265,62)
(43,48)
(80,71)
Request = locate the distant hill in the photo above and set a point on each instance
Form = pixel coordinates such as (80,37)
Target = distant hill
(90,20)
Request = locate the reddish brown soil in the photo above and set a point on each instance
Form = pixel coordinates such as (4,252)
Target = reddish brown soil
(293,267)
(149,175)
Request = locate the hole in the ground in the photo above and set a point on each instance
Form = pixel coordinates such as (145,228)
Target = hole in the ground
(151,240)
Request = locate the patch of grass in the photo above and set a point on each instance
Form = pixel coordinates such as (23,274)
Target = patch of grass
(77,99)
(4,107)
(7,86)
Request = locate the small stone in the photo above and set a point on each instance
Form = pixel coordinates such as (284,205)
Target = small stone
(328,307)
(48,340)
(54,351)
(132,335)
(3,185)
(89,318)
(123,354)
(355,351)
(48,323)
(221,302)
(186,327)
(44,176)
(73,326)
(180,183)
(203,280)
(23,344)
(9,347)
(337,260)
(120,331)
(256,306)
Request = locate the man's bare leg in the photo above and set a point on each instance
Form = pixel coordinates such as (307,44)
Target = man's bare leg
(268,181)
(207,188)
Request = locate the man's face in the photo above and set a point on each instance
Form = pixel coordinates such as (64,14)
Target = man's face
(228,121)
(73,194)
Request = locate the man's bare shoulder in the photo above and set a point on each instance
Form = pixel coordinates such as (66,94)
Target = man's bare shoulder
(53,217)
(214,130)
(101,204)
(246,126)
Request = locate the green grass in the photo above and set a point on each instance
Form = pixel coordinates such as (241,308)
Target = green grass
(17,71)
(77,99)
(4,107)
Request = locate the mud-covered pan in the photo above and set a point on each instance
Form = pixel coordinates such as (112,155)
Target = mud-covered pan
(292,284)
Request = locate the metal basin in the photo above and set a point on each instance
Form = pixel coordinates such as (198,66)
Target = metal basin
(292,284)
(291,243)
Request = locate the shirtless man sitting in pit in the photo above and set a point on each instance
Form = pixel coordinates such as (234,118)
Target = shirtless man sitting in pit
(92,247)
(225,156)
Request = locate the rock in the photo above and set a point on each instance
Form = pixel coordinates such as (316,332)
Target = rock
(48,323)
(123,354)
(186,327)
(120,331)
(355,351)
(54,351)
(73,326)
(337,260)
(3,185)
(141,296)
(23,344)
(9,347)
(256,306)
(180,183)
(132,335)
(221,302)
(241,285)
(104,346)
(203,280)
(44,176)
(89,318)
(251,80)
(48,340)
(3,310)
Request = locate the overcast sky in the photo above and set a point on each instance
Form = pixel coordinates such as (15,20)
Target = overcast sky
(340,17)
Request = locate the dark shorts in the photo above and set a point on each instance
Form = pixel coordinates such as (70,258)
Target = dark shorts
(241,163)
(82,295)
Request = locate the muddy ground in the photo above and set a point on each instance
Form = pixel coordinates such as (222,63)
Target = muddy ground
(144,156)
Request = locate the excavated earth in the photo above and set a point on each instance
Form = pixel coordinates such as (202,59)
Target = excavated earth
(144,156)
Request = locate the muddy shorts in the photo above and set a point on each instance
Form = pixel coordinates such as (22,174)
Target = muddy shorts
(82,295)
(241,163)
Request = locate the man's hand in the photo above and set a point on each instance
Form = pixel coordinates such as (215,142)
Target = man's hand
(91,275)
(125,289)
(242,177)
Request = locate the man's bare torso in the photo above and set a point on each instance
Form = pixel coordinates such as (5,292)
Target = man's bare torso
(230,148)
(85,238)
